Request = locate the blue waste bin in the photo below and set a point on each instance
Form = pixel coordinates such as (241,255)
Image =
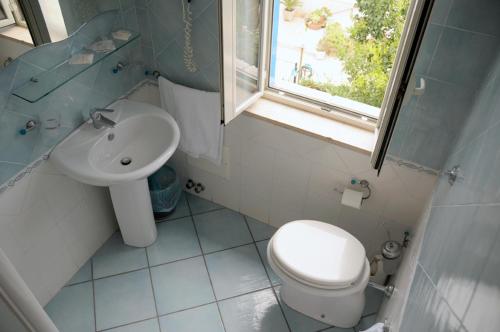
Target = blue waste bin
(165,191)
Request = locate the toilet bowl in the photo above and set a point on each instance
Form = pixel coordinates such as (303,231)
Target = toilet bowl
(324,271)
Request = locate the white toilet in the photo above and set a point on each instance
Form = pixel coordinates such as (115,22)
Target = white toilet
(324,271)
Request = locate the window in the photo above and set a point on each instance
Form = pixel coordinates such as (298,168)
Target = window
(242,34)
(346,59)
(6,17)
(338,53)
(14,28)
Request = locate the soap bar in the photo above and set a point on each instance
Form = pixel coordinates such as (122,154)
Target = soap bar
(103,46)
(81,59)
(121,35)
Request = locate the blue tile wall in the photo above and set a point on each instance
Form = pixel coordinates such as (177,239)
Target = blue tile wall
(162,28)
(96,87)
(77,12)
(458,49)
(456,285)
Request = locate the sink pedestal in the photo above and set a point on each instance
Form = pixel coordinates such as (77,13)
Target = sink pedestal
(134,212)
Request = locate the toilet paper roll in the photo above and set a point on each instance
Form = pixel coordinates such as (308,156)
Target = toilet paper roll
(352,198)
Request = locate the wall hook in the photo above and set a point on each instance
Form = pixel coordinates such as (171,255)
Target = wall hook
(29,126)
(454,174)
(119,67)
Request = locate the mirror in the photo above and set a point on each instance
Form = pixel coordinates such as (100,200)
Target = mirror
(25,24)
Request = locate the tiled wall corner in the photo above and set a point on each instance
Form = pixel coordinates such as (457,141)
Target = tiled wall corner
(456,285)
(392,310)
(50,225)
(162,29)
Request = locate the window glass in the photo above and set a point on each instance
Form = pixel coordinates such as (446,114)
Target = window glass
(248,33)
(337,52)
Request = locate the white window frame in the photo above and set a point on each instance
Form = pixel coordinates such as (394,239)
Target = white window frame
(5,4)
(231,110)
(335,111)
(228,13)
(393,90)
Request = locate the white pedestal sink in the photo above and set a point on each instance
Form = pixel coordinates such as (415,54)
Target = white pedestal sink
(142,141)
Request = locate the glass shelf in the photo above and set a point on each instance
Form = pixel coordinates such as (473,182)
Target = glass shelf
(47,81)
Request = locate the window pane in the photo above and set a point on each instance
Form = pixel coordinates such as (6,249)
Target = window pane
(338,52)
(248,32)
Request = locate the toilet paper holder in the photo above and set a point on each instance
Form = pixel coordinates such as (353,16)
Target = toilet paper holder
(364,184)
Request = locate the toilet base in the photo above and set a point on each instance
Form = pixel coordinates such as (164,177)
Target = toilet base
(343,311)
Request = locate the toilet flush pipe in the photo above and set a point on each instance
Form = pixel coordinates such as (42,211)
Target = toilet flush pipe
(387,290)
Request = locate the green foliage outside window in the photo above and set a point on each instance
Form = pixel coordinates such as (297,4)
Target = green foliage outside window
(290,5)
(367,50)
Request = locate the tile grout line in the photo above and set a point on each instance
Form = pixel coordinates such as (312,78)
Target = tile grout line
(185,309)
(438,292)
(480,276)
(156,265)
(78,283)
(243,294)
(122,273)
(127,324)
(206,266)
(267,274)
(230,248)
(214,302)
(152,287)
(191,215)
(93,292)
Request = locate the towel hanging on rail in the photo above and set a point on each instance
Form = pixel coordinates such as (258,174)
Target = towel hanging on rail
(198,115)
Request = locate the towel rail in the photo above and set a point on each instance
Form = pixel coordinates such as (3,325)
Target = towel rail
(156,74)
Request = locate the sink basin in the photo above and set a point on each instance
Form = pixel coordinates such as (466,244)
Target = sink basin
(142,141)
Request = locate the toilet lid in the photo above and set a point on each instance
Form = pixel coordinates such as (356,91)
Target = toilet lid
(318,253)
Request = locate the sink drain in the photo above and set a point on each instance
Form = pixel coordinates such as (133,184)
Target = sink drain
(126,161)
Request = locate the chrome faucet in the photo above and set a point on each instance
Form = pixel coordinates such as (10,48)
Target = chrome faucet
(99,120)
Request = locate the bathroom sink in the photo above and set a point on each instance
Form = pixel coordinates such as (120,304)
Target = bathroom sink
(143,138)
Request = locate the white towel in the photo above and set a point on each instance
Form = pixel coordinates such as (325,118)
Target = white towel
(198,115)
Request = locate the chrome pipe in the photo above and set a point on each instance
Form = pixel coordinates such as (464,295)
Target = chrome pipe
(387,290)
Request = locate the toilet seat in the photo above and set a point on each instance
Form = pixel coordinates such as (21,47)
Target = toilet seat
(318,254)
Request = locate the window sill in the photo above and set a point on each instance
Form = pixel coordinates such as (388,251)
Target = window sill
(324,128)
(17,33)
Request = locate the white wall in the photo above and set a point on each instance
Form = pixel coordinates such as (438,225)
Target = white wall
(278,175)
(50,225)
(53,19)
